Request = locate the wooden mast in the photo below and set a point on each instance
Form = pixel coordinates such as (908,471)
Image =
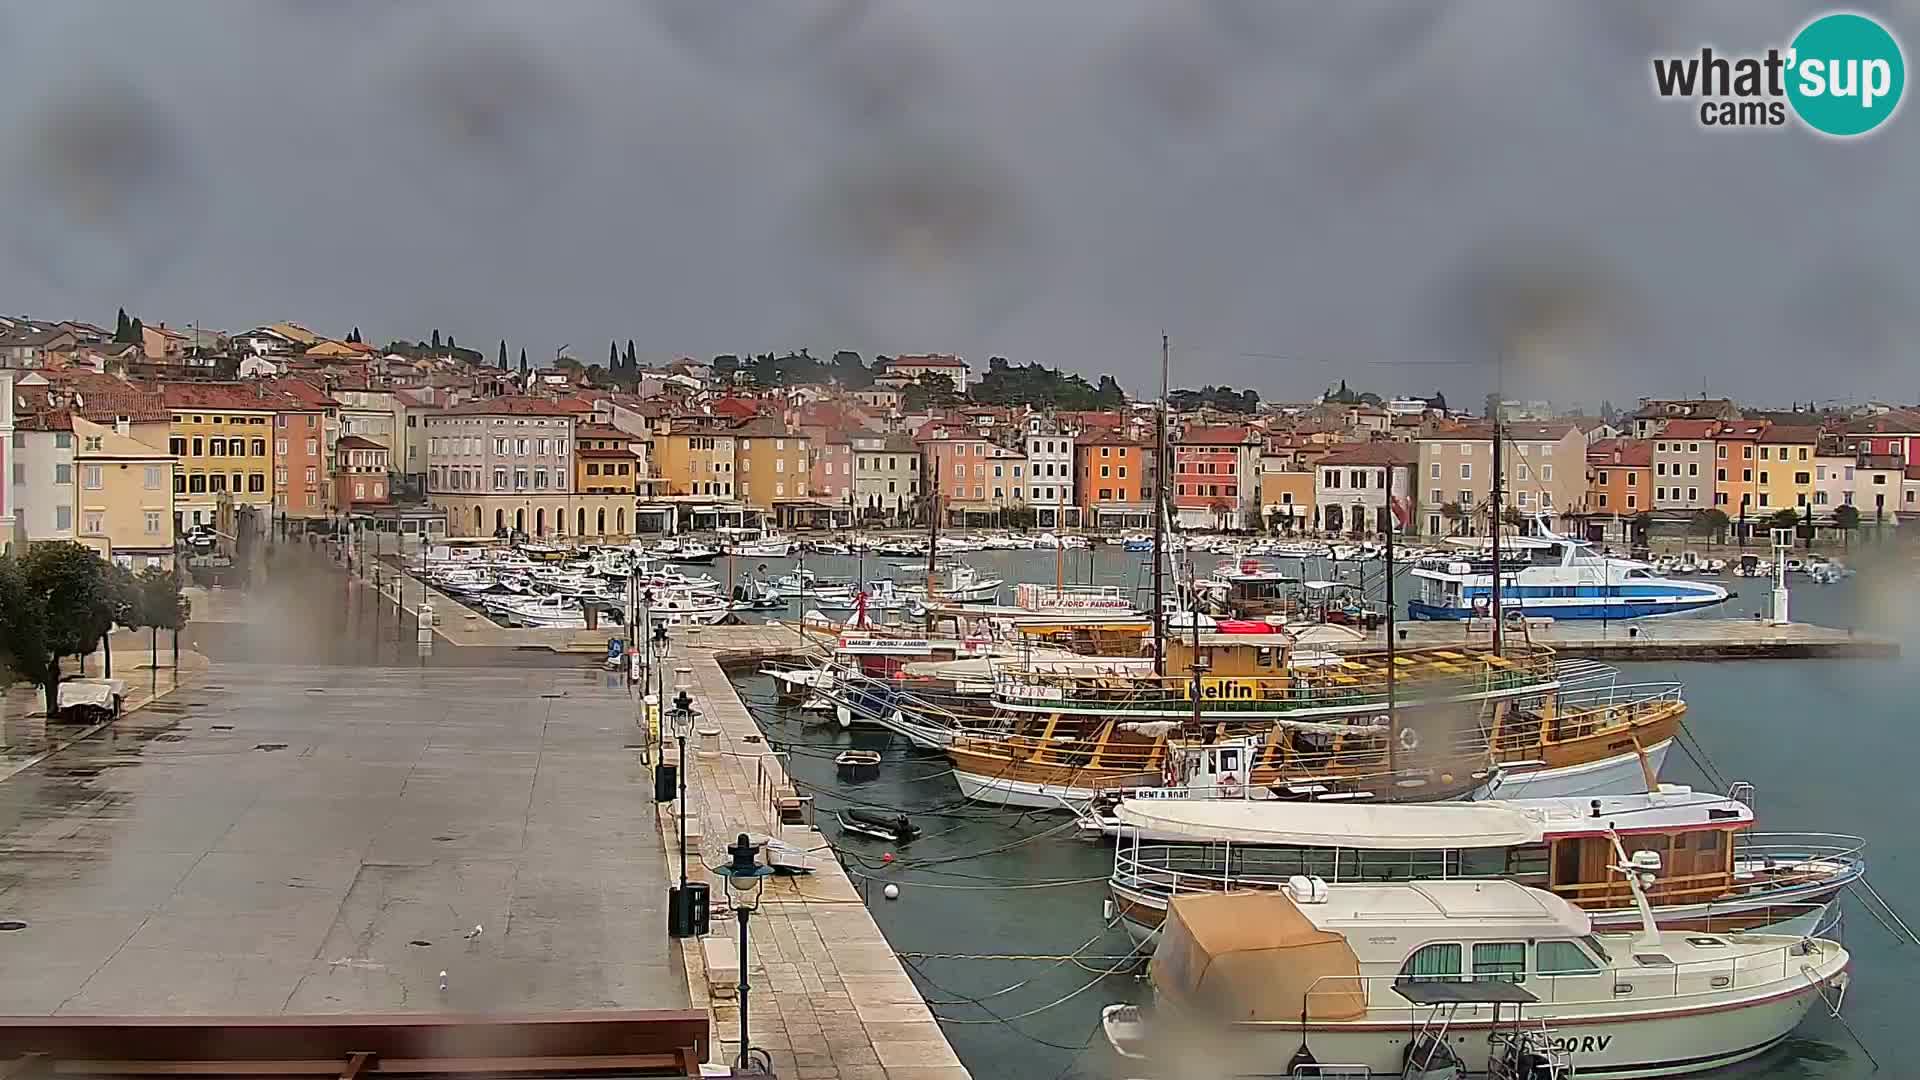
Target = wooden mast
(1160,471)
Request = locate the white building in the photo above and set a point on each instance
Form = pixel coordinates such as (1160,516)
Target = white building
(43,477)
(1049,446)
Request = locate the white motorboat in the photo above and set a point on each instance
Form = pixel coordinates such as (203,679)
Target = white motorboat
(1565,580)
(550,612)
(1452,978)
(963,585)
(873,596)
(828,547)
(677,608)
(766,546)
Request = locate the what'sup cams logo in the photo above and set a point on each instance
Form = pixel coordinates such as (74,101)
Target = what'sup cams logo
(1842,76)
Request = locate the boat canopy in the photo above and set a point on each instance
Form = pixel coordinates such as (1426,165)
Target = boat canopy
(1255,957)
(1354,826)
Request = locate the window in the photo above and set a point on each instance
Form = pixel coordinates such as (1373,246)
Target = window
(256,482)
(1693,468)
(217,447)
(177,446)
(197,484)
(1801,478)
(1123,472)
(62,473)
(236,448)
(313,475)
(1722,477)
(280,476)
(1720,450)
(1746,475)
(1466,470)
(1562,958)
(92,521)
(1763,476)
(90,477)
(217,482)
(63,440)
(1693,494)
(500,479)
(1501,961)
(1466,497)
(1603,478)
(1433,471)
(153,522)
(1546,473)
(259,447)
(179,483)
(196,446)
(1431,963)
(1105,471)
(1747,451)
(63,517)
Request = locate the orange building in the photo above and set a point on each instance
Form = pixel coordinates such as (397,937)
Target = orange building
(1736,485)
(304,423)
(1111,479)
(1619,477)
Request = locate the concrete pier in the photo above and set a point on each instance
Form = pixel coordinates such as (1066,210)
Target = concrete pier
(828,997)
(1669,639)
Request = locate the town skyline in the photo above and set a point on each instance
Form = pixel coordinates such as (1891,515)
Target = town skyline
(561,176)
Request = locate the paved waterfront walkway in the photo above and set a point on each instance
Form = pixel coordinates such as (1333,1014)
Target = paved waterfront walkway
(305,839)
(828,999)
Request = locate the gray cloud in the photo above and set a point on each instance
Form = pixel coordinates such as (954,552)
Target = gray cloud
(1356,186)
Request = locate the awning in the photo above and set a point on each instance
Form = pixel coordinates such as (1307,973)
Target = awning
(1354,826)
(1255,957)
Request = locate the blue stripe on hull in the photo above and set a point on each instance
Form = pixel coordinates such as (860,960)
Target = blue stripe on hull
(1624,610)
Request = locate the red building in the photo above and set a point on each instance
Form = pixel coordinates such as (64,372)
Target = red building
(1216,476)
(360,473)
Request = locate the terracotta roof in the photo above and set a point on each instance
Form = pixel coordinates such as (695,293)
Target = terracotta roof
(1689,429)
(1897,422)
(1372,453)
(1741,429)
(511,405)
(1630,453)
(1777,433)
(356,442)
(1215,436)
(604,452)
(303,393)
(45,420)
(926,360)
(737,408)
(599,431)
(256,396)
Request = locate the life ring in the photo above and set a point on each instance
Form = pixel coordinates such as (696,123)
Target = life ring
(1229,785)
(1409,740)
(1480,604)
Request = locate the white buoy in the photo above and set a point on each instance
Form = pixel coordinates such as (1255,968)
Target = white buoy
(891,892)
(443,982)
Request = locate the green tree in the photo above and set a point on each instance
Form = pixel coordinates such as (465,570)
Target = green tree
(503,354)
(1108,394)
(123,328)
(1786,518)
(613,356)
(1846,518)
(523,362)
(436,340)
(451,347)
(932,390)
(1642,528)
(1711,521)
(1455,513)
(158,605)
(633,360)
(69,604)
(353,336)
(137,333)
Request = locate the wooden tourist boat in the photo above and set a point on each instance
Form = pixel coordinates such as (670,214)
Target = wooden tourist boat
(1721,877)
(1448,723)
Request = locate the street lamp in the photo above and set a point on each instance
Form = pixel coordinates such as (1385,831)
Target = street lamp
(681,717)
(746,877)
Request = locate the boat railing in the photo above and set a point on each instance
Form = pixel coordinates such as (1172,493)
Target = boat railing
(1673,982)
(1021,686)
(1178,869)
(1582,714)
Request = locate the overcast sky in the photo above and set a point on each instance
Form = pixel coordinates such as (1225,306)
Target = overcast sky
(1350,187)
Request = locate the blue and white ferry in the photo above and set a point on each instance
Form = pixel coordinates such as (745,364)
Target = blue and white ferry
(1553,577)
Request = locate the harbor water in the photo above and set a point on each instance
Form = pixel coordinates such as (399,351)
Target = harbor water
(1000,912)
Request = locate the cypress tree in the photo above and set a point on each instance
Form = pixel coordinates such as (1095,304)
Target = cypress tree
(523,362)
(123,329)
(503,354)
(436,341)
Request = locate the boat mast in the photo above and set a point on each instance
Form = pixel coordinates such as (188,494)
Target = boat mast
(1393,726)
(1160,519)
(933,537)
(1499,508)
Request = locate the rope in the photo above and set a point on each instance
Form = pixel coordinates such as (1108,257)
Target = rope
(999,885)
(1057,958)
(1038,1009)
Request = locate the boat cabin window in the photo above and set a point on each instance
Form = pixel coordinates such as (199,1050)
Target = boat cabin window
(1230,761)
(1638,574)
(1263,656)
(1500,961)
(1599,950)
(1562,958)
(1438,962)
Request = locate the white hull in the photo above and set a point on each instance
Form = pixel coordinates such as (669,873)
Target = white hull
(1609,776)
(1599,1039)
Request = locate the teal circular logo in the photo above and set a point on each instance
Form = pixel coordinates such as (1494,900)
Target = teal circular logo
(1846,74)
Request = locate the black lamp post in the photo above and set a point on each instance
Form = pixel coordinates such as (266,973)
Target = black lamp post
(682,720)
(745,878)
(660,667)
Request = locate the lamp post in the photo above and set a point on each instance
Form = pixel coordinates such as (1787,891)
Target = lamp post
(660,666)
(745,878)
(682,720)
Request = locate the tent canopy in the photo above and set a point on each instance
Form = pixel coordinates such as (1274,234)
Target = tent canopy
(1255,956)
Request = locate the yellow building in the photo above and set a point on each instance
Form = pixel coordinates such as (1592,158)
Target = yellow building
(222,435)
(124,494)
(604,461)
(771,463)
(1786,468)
(696,459)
